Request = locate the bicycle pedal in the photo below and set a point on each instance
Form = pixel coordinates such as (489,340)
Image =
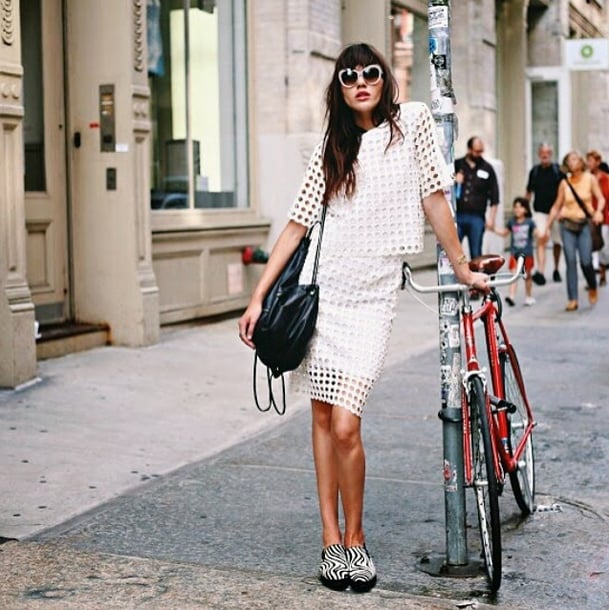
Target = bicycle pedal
(504,405)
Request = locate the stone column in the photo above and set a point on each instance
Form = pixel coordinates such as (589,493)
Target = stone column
(511,83)
(474,46)
(113,278)
(17,342)
(361,23)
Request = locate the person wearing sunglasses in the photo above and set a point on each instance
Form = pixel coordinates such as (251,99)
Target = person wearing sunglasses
(380,172)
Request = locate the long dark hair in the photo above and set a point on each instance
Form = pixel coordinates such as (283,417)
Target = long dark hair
(342,137)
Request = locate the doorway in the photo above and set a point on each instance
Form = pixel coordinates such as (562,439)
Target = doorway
(548,111)
(45,176)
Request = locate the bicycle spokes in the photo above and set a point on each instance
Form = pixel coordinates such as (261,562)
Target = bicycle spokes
(520,439)
(485,482)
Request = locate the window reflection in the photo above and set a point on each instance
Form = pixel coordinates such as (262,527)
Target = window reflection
(196,48)
(410,55)
(402,50)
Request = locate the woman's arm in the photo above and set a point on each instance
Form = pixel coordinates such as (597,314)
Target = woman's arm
(284,247)
(597,214)
(556,207)
(439,215)
(492,217)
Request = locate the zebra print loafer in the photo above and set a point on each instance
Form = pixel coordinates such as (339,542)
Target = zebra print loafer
(362,573)
(334,569)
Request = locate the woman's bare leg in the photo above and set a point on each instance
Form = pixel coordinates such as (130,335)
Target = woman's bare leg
(351,471)
(340,465)
(325,469)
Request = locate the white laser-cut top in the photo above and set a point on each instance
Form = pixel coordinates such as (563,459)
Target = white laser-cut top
(385,215)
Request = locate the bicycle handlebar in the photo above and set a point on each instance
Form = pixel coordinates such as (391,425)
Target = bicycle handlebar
(502,279)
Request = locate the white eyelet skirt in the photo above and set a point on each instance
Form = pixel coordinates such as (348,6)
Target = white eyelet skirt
(357,305)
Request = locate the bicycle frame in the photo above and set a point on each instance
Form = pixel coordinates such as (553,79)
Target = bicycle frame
(497,343)
(472,367)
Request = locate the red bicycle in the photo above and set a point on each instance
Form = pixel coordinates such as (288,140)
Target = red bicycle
(497,422)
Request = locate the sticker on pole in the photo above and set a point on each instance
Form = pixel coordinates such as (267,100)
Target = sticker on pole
(450,476)
(437,17)
(441,104)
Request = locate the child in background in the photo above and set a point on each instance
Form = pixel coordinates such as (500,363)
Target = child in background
(522,229)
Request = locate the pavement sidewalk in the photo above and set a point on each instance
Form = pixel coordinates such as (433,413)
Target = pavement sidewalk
(99,423)
(103,423)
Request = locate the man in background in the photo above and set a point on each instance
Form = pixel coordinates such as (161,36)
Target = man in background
(542,187)
(476,188)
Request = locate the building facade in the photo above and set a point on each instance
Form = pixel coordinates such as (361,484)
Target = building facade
(146,143)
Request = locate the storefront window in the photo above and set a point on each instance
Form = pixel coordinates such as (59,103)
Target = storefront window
(196,69)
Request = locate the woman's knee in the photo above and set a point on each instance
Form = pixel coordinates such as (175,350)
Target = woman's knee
(321,414)
(346,430)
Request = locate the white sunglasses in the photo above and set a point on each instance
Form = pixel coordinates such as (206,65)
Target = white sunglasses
(371,74)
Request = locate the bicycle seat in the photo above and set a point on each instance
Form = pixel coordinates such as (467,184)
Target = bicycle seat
(487,263)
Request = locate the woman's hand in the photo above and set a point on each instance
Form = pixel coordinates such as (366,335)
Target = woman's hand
(286,243)
(247,322)
(473,279)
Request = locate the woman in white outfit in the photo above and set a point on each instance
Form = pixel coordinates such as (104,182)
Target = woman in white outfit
(380,172)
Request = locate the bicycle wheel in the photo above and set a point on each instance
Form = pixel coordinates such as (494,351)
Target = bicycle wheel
(523,478)
(485,484)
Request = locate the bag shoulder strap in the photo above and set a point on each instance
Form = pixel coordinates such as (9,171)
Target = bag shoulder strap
(321,233)
(578,199)
(535,172)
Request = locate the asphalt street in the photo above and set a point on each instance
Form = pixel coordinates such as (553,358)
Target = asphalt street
(146,479)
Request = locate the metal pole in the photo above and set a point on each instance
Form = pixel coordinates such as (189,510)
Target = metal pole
(442,107)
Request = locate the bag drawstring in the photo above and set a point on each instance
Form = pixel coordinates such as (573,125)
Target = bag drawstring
(269,382)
